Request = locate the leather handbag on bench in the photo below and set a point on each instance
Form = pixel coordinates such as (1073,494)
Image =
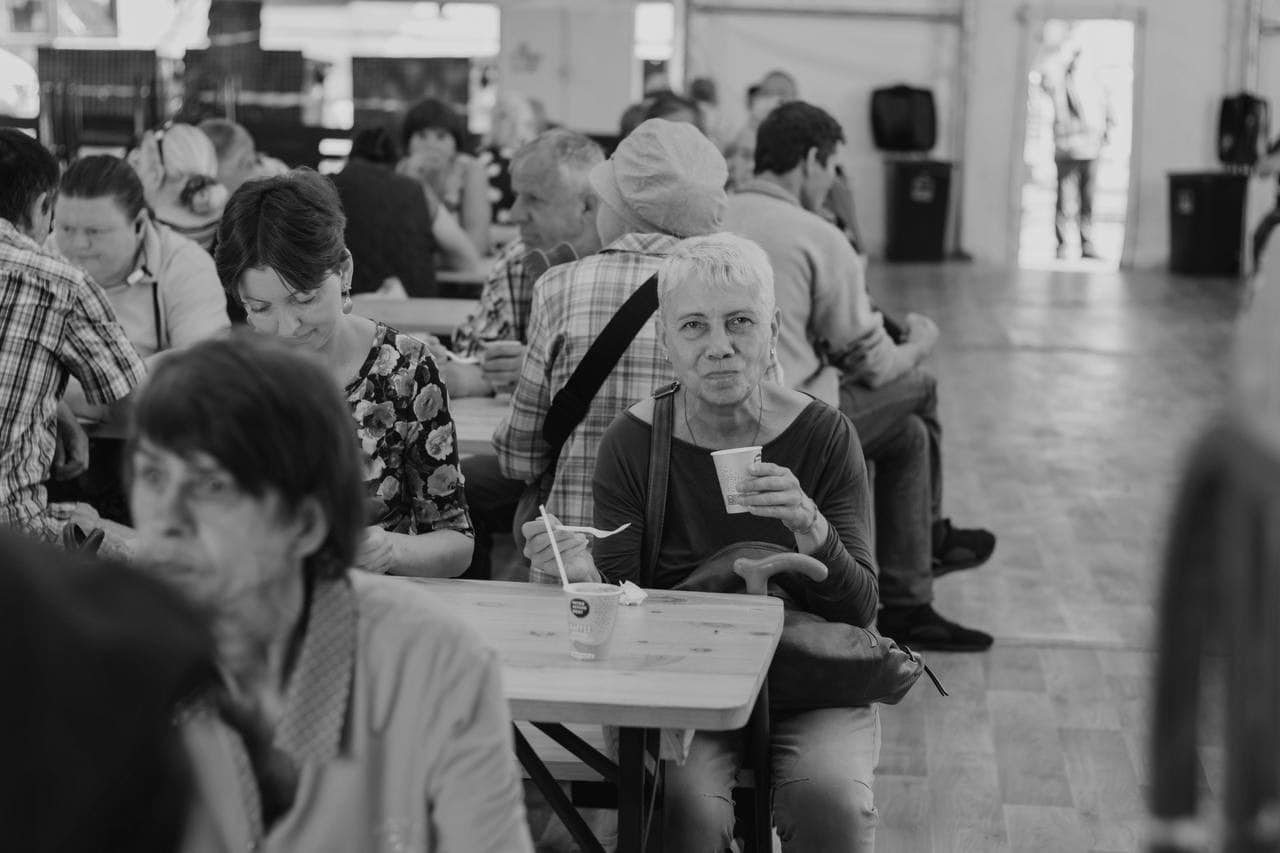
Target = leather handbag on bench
(818,664)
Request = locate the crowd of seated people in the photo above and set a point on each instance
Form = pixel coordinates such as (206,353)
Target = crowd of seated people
(271,472)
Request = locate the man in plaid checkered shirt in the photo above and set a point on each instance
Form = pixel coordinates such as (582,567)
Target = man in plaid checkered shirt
(665,182)
(54,323)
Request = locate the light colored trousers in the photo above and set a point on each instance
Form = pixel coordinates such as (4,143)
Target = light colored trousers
(823,767)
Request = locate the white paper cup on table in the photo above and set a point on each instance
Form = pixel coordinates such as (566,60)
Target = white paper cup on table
(593,608)
(731,469)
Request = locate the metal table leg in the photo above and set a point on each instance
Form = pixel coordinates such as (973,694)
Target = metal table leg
(638,789)
(556,797)
(759,745)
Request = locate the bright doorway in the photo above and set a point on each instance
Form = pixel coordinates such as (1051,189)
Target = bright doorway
(1078,139)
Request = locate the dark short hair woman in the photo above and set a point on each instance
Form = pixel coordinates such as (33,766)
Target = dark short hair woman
(363,715)
(395,227)
(281,255)
(438,153)
(718,325)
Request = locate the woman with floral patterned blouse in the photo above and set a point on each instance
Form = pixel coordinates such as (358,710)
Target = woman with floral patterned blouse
(281,254)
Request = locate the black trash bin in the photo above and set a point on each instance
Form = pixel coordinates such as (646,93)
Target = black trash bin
(917,198)
(1206,222)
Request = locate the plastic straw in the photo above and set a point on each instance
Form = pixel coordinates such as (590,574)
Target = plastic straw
(555,549)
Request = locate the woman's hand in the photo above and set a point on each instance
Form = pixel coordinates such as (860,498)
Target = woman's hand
(574,551)
(773,491)
(375,553)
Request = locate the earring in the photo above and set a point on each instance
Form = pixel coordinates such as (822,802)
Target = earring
(346,302)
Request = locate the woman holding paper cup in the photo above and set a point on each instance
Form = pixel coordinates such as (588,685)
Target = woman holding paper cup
(281,255)
(806,491)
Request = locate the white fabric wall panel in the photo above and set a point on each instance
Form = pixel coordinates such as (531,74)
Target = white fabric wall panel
(837,60)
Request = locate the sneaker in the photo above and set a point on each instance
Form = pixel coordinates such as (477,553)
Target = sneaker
(921,627)
(1087,251)
(957,548)
(1061,254)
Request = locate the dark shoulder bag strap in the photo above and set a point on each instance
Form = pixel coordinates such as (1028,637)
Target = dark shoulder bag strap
(664,410)
(570,404)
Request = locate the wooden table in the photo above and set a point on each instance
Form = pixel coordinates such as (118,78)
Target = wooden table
(414,316)
(475,419)
(680,660)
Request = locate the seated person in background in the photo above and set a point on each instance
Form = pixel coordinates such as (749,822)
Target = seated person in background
(705,94)
(356,712)
(395,226)
(834,345)
(281,254)
(179,171)
(438,153)
(717,324)
(555,208)
(238,157)
(98,660)
(55,323)
(163,286)
(664,182)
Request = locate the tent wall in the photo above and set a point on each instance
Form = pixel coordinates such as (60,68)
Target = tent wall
(1189,59)
(838,54)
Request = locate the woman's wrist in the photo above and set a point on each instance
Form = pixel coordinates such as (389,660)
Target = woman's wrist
(810,519)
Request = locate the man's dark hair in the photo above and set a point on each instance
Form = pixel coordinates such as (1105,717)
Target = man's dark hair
(291,223)
(667,103)
(435,113)
(102,175)
(789,131)
(27,169)
(274,419)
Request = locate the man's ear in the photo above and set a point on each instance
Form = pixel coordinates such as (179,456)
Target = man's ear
(590,204)
(811,160)
(39,215)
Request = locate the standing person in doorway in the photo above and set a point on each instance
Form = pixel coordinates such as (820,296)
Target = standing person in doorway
(1082,123)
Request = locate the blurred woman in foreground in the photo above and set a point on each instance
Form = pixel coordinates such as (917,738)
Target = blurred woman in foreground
(357,713)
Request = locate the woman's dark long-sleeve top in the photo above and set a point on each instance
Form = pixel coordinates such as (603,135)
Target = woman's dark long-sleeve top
(820,448)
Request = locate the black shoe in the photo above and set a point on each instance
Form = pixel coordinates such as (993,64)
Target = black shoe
(957,548)
(921,627)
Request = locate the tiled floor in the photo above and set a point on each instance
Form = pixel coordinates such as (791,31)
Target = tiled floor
(1068,399)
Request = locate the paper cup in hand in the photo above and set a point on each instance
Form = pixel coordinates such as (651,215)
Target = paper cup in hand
(731,470)
(593,608)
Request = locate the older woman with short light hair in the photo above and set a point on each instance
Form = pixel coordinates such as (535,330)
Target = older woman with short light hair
(718,326)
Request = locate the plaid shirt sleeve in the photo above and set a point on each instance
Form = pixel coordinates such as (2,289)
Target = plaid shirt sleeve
(500,313)
(523,454)
(94,347)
